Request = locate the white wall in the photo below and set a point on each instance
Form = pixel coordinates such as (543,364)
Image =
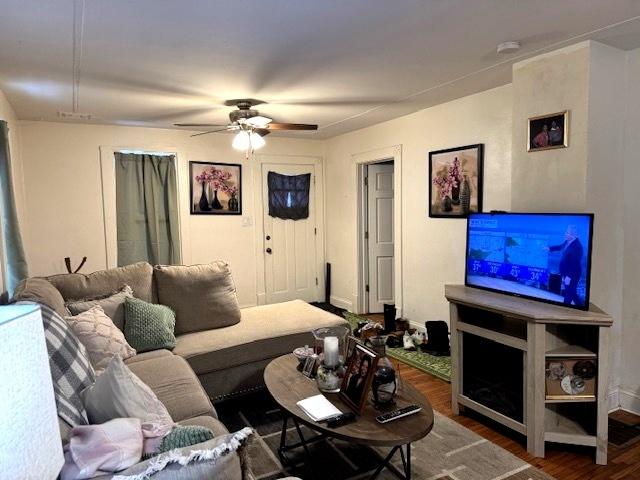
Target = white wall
(629,371)
(64,198)
(432,249)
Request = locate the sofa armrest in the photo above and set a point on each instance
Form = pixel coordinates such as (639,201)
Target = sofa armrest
(141,357)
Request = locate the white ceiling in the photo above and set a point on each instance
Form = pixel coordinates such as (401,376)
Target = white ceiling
(341,64)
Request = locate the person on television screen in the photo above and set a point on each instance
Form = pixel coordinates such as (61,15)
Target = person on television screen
(570,263)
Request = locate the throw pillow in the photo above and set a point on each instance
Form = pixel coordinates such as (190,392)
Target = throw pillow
(100,336)
(182,436)
(148,326)
(119,393)
(71,370)
(113,305)
(40,291)
(203,296)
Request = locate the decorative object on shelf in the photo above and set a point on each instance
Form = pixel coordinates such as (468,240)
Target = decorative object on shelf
(359,375)
(547,132)
(383,385)
(448,170)
(221,188)
(570,378)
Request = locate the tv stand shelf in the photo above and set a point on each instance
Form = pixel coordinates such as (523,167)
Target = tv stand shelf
(485,324)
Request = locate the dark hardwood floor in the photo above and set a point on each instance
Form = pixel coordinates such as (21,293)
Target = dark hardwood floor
(564,462)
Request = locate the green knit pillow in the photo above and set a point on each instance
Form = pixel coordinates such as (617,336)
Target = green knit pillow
(185,436)
(148,326)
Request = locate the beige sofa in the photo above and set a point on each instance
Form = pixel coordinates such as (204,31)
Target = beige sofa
(230,360)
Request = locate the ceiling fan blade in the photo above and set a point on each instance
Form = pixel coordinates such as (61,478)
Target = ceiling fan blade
(291,126)
(197,125)
(262,131)
(227,129)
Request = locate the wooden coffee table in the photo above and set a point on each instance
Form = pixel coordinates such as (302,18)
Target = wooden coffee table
(288,386)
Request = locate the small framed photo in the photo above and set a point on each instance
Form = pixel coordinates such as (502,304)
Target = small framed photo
(310,366)
(215,188)
(548,131)
(455,181)
(356,383)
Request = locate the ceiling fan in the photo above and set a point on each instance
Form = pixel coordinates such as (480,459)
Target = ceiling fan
(250,125)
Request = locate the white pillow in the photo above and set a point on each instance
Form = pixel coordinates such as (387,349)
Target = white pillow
(100,336)
(119,393)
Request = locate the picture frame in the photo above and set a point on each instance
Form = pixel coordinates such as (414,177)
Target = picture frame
(215,188)
(456,181)
(310,366)
(356,383)
(548,132)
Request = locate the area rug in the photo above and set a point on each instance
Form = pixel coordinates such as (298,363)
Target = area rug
(449,452)
(437,366)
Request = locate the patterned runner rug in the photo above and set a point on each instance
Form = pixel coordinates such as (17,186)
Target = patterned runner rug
(437,366)
(449,452)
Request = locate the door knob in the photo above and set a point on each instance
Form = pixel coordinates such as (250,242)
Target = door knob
(269,251)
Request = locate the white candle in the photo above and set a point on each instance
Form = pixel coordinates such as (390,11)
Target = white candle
(331,351)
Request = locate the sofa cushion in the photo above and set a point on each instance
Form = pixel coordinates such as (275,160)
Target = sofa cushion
(203,296)
(139,276)
(147,326)
(112,305)
(41,291)
(100,336)
(266,331)
(173,381)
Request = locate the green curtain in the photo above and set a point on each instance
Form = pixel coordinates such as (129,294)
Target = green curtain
(15,261)
(146,206)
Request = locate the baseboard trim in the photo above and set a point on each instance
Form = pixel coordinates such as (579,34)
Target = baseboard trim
(613,400)
(629,401)
(341,303)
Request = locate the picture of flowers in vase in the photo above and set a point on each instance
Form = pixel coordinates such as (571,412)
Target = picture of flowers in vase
(455,181)
(215,188)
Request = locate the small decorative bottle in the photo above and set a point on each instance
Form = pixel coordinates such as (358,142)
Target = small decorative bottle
(384,385)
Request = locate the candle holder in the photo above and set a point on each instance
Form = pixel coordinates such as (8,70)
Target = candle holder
(328,378)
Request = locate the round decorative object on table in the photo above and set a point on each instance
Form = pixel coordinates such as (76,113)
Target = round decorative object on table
(328,378)
(302,353)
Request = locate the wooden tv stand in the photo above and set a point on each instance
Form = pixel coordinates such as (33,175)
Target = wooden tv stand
(537,330)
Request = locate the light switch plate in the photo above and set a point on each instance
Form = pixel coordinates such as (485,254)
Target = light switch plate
(247,221)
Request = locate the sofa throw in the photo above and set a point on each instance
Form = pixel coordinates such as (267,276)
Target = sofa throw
(139,276)
(71,370)
(147,326)
(202,296)
(112,305)
(100,336)
(41,291)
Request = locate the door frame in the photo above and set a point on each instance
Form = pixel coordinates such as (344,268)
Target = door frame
(360,160)
(256,176)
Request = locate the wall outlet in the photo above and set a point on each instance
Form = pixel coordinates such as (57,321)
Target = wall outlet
(247,221)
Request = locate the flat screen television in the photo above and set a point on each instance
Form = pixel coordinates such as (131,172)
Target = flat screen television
(541,256)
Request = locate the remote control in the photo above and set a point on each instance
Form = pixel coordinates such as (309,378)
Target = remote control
(339,420)
(399,413)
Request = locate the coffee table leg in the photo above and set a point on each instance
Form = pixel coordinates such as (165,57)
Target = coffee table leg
(283,437)
(406,463)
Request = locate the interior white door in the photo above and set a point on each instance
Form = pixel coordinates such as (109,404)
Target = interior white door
(290,245)
(380,236)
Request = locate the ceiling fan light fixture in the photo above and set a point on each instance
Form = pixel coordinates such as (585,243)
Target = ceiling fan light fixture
(257,142)
(241,141)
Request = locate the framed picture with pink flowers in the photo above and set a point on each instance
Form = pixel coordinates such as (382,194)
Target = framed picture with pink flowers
(455,181)
(215,188)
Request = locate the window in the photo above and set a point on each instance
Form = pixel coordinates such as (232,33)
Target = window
(288,195)
(146,208)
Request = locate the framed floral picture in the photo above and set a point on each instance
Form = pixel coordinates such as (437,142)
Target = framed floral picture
(455,181)
(215,188)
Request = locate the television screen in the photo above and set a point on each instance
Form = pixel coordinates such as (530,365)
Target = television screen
(541,256)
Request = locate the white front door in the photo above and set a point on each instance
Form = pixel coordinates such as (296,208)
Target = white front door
(380,235)
(290,245)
